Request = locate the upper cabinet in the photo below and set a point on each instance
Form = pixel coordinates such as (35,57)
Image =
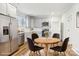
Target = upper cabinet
(3,8)
(8,9)
(11,10)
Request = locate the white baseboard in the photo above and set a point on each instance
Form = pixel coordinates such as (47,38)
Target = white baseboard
(75,51)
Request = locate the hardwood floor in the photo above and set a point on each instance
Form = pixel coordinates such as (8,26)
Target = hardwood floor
(24,51)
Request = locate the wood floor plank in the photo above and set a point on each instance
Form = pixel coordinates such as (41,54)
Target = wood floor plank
(23,50)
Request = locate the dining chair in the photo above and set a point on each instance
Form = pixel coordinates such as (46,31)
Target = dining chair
(34,36)
(56,35)
(61,48)
(33,48)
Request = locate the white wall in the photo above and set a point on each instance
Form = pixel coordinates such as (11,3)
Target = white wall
(55,24)
(37,21)
(36,24)
(69,20)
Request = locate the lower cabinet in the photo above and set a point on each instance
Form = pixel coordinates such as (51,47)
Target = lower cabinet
(21,39)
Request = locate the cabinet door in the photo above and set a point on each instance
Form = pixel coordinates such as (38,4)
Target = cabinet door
(3,8)
(11,10)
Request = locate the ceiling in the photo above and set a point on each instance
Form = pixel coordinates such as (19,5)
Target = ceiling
(43,9)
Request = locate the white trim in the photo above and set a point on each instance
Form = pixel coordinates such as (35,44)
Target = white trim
(75,51)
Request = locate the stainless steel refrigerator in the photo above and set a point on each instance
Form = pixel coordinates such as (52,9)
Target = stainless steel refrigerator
(8,35)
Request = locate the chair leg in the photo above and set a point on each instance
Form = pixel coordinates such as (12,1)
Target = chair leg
(64,54)
(30,53)
(59,53)
(39,53)
(34,53)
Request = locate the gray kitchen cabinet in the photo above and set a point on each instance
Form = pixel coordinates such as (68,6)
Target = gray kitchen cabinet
(11,10)
(3,8)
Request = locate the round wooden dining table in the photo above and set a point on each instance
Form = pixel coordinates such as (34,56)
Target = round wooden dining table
(46,41)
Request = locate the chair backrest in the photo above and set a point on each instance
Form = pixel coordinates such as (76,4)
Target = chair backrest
(34,36)
(56,35)
(30,44)
(65,43)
